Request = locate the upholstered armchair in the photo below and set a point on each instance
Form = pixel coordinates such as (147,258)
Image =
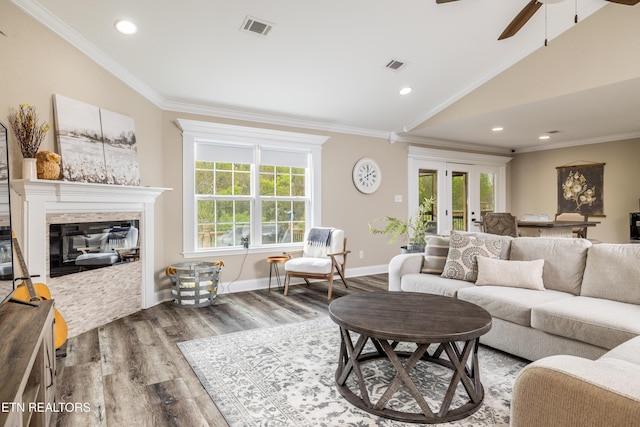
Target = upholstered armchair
(323,256)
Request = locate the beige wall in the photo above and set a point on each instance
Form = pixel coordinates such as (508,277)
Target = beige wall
(342,205)
(36,64)
(534,184)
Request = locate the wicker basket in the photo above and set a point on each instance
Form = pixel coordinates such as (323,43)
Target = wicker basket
(194,284)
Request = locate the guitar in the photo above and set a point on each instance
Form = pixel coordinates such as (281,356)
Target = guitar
(29,292)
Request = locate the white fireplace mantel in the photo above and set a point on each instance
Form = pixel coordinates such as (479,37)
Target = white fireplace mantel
(38,198)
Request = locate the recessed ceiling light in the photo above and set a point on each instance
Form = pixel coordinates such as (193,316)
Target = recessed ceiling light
(497,129)
(544,137)
(405,91)
(126,27)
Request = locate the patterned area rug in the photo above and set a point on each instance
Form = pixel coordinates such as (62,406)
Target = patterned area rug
(284,376)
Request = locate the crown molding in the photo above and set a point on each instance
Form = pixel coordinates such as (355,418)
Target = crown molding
(578,142)
(42,15)
(181,107)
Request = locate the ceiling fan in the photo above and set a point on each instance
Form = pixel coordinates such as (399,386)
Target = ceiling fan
(530,9)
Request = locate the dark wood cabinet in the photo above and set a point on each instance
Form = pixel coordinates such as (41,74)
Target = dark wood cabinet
(27,365)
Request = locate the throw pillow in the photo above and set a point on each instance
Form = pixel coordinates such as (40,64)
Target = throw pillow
(515,274)
(463,250)
(435,254)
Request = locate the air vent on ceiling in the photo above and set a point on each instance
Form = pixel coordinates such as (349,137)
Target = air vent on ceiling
(255,26)
(395,65)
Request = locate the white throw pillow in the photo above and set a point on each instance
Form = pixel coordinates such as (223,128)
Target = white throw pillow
(515,274)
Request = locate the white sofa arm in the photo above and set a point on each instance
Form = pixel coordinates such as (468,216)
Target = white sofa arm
(573,391)
(401,265)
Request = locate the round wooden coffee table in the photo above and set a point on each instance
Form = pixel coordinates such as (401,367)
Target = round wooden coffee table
(388,318)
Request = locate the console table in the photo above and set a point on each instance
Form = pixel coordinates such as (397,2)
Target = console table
(27,364)
(551,228)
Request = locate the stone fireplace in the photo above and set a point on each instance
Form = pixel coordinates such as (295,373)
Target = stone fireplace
(91,298)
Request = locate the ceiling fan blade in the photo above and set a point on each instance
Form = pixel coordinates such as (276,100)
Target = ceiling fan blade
(625,2)
(521,19)
(447,1)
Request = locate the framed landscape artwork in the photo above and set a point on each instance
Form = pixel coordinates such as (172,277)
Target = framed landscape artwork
(96,145)
(580,189)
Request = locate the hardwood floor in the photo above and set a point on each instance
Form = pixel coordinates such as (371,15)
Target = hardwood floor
(131,372)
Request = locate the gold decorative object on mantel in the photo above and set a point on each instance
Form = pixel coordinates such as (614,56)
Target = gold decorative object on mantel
(48,165)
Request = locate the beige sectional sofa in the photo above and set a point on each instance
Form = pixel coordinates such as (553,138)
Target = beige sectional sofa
(579,321)
(574,391)
(590,302)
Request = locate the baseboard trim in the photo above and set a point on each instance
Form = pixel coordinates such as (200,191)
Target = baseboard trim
(263,283)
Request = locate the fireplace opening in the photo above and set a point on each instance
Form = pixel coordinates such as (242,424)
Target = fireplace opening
(76,247)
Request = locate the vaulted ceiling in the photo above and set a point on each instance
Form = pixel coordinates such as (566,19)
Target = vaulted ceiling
(323,65)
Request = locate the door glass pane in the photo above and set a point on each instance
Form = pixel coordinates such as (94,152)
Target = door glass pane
(459,197)
(487,192)
(428,188)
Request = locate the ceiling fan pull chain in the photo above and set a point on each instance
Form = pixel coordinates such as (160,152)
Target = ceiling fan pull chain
(546,42)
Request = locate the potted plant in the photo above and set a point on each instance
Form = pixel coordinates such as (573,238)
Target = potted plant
(30,134)
(412,229)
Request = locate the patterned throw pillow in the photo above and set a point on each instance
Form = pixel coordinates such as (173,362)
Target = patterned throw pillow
(435,254)
(463,249)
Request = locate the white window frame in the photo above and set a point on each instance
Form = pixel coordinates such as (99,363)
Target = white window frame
(440,160)
(193,131)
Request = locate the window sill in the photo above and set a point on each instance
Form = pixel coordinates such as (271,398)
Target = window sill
(235,250)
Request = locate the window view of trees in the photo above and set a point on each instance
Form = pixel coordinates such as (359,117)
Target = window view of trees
(224,200)
(428,189)
(487,192)
(428,185)
(282,191)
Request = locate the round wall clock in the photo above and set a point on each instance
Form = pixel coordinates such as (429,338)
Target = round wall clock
(367,175)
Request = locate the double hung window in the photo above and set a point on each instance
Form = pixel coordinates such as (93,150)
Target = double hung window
(247,187)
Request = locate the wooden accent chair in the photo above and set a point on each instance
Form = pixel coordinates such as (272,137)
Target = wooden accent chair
(580,232)
(500,223)
(309,263)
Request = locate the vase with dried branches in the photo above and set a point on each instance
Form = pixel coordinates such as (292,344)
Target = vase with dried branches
(30,133)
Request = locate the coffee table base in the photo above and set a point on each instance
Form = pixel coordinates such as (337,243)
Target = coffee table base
(463,363)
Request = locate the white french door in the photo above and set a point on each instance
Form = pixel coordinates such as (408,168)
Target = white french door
(462,191)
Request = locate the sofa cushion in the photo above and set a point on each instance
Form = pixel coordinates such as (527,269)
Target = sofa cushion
(432,284)
(510,304)
(613,272)
(596,321)
(628,351)
(564,260)
(463,249)
(515,274)
(435,254)
(309,265)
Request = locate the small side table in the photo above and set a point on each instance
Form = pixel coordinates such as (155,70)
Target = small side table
(273,262)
